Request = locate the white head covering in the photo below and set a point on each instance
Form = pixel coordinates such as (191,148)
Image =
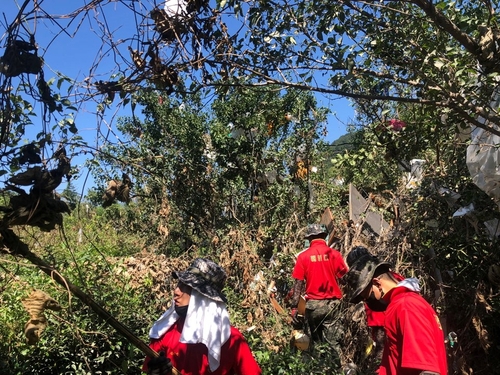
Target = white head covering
(410,283)
(207,322)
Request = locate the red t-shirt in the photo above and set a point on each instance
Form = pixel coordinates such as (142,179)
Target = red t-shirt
(414,337)
(192,359)
(320,266)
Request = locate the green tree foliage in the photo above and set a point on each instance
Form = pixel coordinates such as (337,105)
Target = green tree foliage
(198,172)
(75,339)
(356,49)
(240,175)
(71,195)
(371,51)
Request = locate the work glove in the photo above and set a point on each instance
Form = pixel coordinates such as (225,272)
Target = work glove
(297,319)
(160,365)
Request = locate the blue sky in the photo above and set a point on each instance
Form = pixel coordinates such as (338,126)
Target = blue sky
(74,49)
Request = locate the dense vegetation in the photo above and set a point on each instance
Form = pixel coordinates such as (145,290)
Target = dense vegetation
(210,142)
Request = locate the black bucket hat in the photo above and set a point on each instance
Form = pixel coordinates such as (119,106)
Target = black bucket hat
(361,274)
(206,277)
(356,253)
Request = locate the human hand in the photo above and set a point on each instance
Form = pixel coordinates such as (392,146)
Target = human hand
(160,365)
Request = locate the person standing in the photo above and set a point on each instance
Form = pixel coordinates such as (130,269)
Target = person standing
(195,334)
(316,274)
(414,337)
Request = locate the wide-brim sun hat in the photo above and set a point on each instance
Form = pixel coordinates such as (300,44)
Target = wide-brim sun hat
(356,253)
(361,274)
(204,276)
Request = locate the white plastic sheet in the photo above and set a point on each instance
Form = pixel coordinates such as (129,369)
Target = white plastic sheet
(493,227)
(176,7)
(483,157)
(462,211)
(415,175)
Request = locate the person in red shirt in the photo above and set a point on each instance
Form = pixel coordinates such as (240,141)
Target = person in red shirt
(316,275)
(374,319)
(195,334)
(414,337)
